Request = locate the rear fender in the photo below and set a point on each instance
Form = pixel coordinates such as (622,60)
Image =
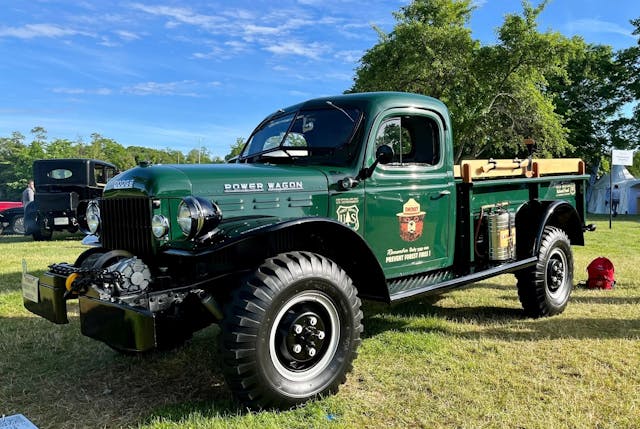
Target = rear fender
(534,216)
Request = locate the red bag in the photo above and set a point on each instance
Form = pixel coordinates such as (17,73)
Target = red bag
(601,272)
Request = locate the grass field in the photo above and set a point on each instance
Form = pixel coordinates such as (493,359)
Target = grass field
(467,359)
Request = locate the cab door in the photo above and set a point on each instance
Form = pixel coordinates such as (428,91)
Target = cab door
(409,202)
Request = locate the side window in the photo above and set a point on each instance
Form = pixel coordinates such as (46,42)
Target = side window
(109,173)
(414,139)
(295,140)
(98,173)
(391,133)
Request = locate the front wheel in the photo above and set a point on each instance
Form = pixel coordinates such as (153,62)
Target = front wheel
(291,331)
(544,290)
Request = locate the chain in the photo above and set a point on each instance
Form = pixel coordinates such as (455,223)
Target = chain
(86,276)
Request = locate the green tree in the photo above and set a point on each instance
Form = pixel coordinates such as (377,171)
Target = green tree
(629,59)
(235,149)
(590,98)
(496,94)
(61,148)
(15,168)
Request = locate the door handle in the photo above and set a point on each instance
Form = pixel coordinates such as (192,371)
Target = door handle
(441,194)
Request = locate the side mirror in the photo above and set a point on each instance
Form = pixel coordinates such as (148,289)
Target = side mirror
(384,155)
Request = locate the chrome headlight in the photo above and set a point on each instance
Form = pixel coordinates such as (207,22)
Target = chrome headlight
(92,216)
(197,216)
(159,226)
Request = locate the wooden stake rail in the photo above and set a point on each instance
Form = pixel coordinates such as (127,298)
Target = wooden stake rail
(479,169)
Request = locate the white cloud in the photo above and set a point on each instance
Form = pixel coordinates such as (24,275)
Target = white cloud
(252,30)
(228,50)
(180,15)
(185,88)
(301,94)
(589,25)
(82,91)
(309,50)
(127,35)
(239,14)
(31,31)
(351,56)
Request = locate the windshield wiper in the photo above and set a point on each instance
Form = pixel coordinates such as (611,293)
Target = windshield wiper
(342,110)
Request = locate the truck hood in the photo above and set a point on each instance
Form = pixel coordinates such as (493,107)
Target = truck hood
(215,181)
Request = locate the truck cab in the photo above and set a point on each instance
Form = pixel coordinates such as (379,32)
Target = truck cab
(332,201)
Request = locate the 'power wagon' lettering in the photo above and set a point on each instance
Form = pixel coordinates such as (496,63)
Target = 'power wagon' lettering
(284,186)
(243,187)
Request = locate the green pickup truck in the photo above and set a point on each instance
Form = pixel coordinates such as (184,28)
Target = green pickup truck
(332,201)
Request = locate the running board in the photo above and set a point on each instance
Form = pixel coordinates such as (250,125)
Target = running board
(427,284)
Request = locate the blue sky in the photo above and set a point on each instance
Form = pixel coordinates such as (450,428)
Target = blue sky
(181,75)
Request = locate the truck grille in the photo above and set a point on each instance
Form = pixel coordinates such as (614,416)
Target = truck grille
(126,224)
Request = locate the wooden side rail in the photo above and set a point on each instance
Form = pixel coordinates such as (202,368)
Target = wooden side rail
(494,168)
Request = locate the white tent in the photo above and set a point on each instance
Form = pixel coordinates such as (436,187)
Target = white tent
(629,192)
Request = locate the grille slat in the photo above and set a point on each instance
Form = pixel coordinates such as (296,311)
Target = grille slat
(126,224)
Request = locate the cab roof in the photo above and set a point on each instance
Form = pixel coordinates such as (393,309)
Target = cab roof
(372,102)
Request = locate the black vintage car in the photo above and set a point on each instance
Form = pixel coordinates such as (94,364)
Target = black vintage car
(60,185)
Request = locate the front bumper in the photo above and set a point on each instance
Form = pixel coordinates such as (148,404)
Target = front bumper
(123,327)
(48,301)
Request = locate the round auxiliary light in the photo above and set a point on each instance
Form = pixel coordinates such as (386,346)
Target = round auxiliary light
(159,226)
(197,216)
(92,217)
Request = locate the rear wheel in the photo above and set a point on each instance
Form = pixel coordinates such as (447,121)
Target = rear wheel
(291,331)
(17,225)
(544,290)
(43,234)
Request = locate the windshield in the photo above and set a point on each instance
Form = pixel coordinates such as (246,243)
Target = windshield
(320,135)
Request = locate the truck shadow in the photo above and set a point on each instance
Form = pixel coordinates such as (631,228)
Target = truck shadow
(58,378)
(604,300)
(501,323)
(57,236)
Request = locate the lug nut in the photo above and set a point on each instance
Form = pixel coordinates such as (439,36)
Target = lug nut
(297,329)
(297,348)
(311,352)
(313,321)
(321,335)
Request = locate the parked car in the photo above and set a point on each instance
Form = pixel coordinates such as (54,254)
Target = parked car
(60,185)
(4,205)
(11,217)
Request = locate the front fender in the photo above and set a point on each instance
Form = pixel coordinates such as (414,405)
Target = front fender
(252,240)
(32,218)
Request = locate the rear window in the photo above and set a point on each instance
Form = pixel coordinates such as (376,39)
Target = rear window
(59,174)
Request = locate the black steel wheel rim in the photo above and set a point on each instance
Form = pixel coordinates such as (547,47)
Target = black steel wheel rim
(304,336)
